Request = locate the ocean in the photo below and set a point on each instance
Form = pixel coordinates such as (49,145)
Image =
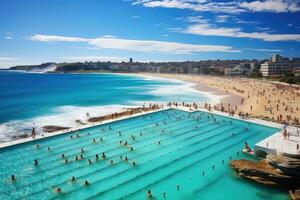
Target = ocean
(37,99)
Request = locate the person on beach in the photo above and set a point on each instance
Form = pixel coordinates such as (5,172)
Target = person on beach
(285,134)
(33,133)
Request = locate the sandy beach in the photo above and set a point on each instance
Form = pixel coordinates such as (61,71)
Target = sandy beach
(261,99)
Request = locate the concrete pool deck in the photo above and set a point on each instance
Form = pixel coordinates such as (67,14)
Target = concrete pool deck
(272,145)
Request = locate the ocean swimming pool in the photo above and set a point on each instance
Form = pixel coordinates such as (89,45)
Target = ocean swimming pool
(171,149)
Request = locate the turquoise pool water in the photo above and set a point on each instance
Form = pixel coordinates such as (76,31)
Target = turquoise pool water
(170,148)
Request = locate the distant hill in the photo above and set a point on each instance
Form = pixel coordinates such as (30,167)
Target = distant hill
(45,67)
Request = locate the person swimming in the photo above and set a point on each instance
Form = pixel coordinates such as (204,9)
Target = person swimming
(36,163)
(62,155)
(94,140)
(73,179)
(126,158)
(131,148)
(81,150)
(49,148)
(97,157)
(111,162)
(13,178)
(90,162)
(86,183)
(133,163)
(37,146)
(58,190)
(178,187)
(103,155)
(149,194)
(66,161)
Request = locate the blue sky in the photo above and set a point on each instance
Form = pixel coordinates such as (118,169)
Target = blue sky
(35,31)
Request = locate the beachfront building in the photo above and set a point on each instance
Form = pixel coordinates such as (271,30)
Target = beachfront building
(277,66)
(239,69)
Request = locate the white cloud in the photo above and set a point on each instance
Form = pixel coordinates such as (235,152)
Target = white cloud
(56,38)
(222,18)
(195,5)
(147,46)
(8,59)
(208,30)
(271,6)
(225,7)
(262,50)
(93,58)
(8,36)
(197,19)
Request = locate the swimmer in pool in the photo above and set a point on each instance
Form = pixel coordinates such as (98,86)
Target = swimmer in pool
(13,178)
(103,155)
(149,194)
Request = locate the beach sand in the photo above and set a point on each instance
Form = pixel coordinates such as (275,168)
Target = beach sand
(261,99)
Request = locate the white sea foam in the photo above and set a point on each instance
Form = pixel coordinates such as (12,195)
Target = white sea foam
(184,88)
(67,115)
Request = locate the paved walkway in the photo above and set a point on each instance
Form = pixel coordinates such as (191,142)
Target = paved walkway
(276,143)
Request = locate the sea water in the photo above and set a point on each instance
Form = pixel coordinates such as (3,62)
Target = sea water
(34,100)
(178,155)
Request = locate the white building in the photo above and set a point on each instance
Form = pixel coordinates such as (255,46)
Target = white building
(277,66)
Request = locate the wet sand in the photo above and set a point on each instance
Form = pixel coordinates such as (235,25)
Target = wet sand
(259,98)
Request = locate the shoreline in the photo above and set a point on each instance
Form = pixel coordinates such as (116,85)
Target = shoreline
(52,125)
(258,98)
(215,96)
